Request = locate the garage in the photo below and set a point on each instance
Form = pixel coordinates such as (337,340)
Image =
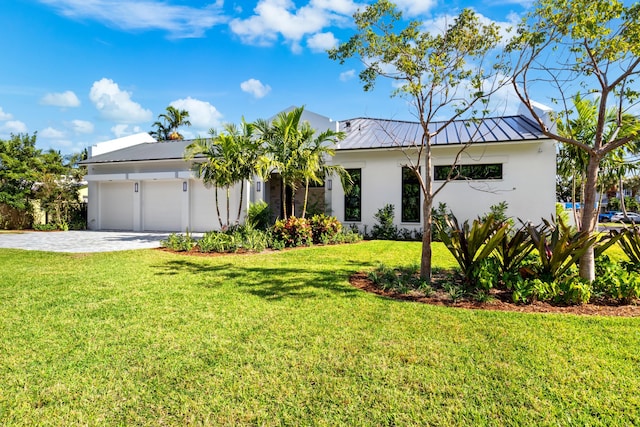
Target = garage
(162,205)
(116,205)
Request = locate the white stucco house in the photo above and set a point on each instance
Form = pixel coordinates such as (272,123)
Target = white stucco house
(143,185)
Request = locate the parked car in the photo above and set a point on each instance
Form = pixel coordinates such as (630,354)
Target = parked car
(606,216)
(631,217)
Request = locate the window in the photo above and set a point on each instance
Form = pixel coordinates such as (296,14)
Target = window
(478,171)
(353,197)
(410,196)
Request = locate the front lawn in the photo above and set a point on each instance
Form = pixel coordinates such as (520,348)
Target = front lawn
(155,338)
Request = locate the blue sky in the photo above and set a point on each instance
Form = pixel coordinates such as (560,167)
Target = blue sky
(84,71)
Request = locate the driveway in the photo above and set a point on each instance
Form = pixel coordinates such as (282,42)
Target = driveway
(81,241)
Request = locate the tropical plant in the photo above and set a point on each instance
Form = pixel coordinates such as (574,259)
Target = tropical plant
(558,247)
(472,245)
(166,127)
(259,215)
(513,249)
(228,158)
(325,229)
(574,48)
(385,229)
(293,232)
(293,151)
(443,74)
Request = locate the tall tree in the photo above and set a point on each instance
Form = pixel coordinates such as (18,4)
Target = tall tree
(20,166)
(166,127)
(292,150)
(229,157)
(582,47)
(442,74)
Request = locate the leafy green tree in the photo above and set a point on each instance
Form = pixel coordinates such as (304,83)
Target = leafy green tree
(582,47)
(443,74)
(292,149)
(166,127)
(229,157)
(20,164)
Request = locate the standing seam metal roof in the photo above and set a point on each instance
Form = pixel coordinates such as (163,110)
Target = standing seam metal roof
(362,133)
(365,133)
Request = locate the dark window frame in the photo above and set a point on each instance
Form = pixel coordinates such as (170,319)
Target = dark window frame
(410,196)
(473,172)
(353,198)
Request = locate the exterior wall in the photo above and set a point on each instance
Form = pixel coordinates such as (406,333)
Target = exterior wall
(527,185)
(159,195)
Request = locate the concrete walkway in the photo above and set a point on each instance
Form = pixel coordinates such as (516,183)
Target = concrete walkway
(81,241)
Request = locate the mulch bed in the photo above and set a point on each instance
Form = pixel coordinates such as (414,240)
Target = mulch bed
(500,301)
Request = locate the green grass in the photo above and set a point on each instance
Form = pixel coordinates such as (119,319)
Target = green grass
(154,338)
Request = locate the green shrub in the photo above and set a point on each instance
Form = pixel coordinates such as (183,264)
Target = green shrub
(234,239)
(615,281)
(471,245)
(439,220)
(259,216)
(325,229)
(293,232)
(385,229)
(179,242)
(217,241)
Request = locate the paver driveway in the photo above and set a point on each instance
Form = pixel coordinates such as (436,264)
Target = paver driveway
(81,241)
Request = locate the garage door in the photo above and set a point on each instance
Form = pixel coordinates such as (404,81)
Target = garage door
(162,205)
(116,205)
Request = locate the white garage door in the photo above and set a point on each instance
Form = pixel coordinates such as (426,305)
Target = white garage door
(116,206)
(162,205)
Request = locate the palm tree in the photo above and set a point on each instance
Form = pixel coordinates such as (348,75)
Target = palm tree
(291,150)
(229,157)
(168,123)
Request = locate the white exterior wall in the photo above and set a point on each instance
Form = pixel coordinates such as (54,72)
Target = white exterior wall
(168,198)
(528,183)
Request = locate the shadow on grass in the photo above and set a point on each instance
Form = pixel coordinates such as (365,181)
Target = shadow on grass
(273,283)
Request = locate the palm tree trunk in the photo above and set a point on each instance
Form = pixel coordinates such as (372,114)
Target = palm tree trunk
(241,199)
(228,191)
(283,195)
(306,198)
(218,208)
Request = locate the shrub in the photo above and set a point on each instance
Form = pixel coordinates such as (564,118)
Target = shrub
(385,229)
(217,241)
(293,232)
(259,216)
(439,220)
(325,229)
(235,238)
(179,242)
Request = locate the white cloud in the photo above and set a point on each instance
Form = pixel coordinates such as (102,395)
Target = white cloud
(255,88)
(116,104)
(82,126)
(202,115)
(51,133)
(62,99)
(347,75)
(322,42)
(415,7)
(14,126)
(5,116)
(275,18)
(124,130)
(179,21)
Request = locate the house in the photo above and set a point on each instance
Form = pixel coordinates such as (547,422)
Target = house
(143,185)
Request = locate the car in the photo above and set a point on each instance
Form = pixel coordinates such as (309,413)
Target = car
(631,217)
(606,216)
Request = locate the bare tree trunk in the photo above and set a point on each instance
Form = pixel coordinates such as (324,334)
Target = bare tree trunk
(589,218)
(425,260)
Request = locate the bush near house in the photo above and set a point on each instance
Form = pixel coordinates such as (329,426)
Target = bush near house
(529,263)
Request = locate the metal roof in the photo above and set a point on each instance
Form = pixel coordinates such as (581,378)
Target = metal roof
(365,133)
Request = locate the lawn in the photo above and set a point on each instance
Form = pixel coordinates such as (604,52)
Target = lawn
(154,338)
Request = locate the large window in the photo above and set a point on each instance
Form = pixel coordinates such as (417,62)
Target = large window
(477,171)
(353,197)
(410,196)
